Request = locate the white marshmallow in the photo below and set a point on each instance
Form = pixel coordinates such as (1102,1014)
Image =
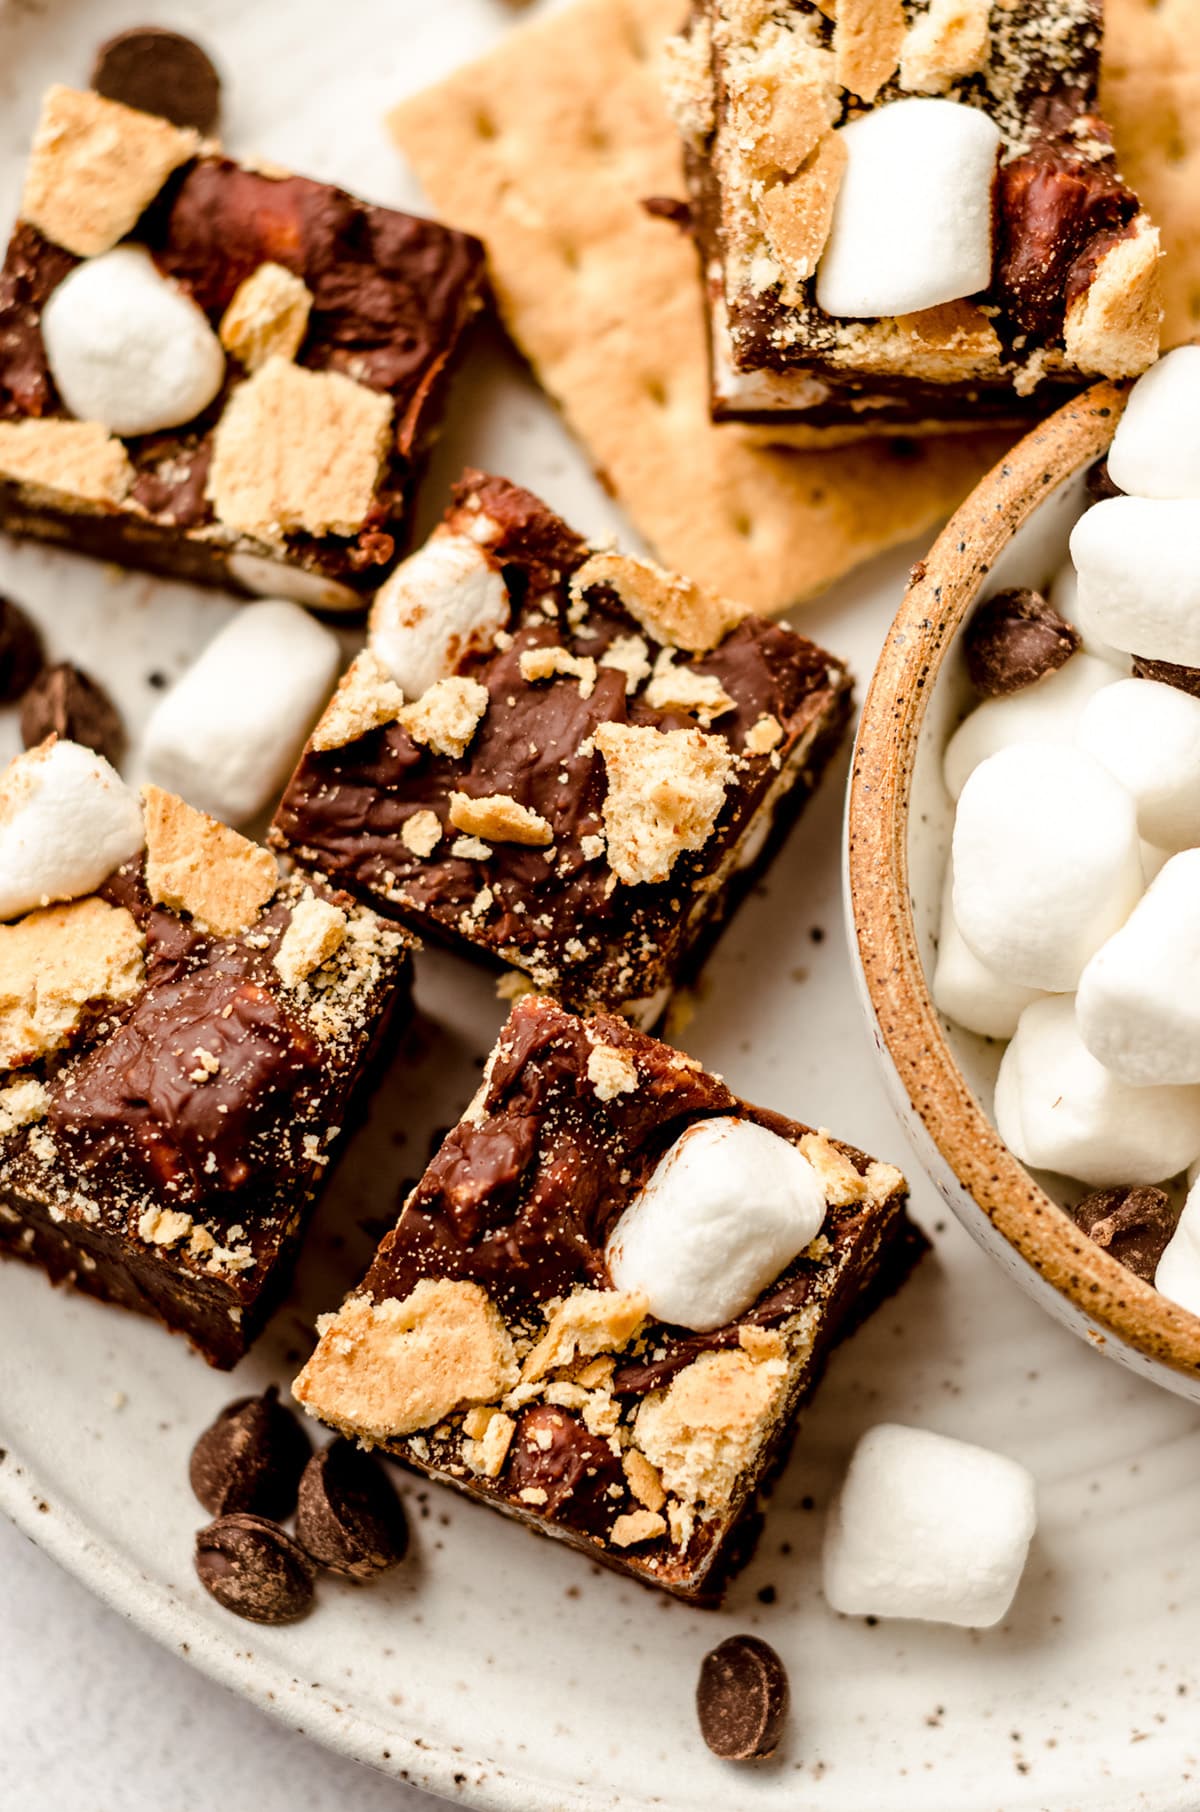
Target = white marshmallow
(1138,562)
(445,601)
(964,989)
(1156,449)
(1064,596)
(1056,1108)
(1177,1274)
(270,578)
(1138,1005)
(912,223)
(129,348)
(1048,711)
(226,735)
(724,1211)
(1148,737)
(1047,863)
(928,1527)
(67,819)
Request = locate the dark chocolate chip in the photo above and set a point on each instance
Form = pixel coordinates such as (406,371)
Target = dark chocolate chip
(20,650)
(1131,1222)
(251,1458)
(742,1699)
(667,207)
(349,1517)
(1185,679)
(160,72)
(66,702)
(254,1569)
(1015,639)
(1098,484)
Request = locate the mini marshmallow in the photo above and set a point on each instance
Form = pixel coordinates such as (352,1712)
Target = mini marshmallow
(964,989)
(1148,737)
(1047,863)
(928,1527)
(723,1212)
(1138,1005)
(1156,449)
(912,223)
(225,737)
(1177,1274)
(1139,575)
(445,601)
(129,348)
(67,820)
(1064,596)
(1056,1108)
(1048,711)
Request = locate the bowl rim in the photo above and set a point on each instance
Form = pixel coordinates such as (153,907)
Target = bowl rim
(942,588)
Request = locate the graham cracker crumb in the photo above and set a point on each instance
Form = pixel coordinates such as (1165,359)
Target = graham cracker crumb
(317,929)
(704,1430)
(366,698)
(21,1104)
(389,1368)
(500,818)
(58,965)
(843,1184)
(94,168)
(470,849)
(630,655)
(867,39)
(637,1526)
(545,663)
(764,735)
(666,789)
(490,1434)
(783,97)
(797,215)
(643,1478)
(611,1072)
(675,610)
(298,451)
(883,1180)
(197,865)
(941,46)
(588,1322)
(1113,328)
(267,317)
(687,82)
(421,833)
(80,460)
(683,689)
(447,715)
(945,344)
(164,1226)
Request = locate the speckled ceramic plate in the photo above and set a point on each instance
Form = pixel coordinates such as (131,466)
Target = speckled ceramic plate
(493,1667)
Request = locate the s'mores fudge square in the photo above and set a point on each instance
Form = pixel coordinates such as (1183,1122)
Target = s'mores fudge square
(558,757)
(608,1295)
(184,1035)
(221,373)
(909,212)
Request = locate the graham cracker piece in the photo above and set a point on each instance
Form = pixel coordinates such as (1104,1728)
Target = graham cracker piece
(644,1480)
(867,37)
(666,789)
(763,735)
(316,931)
(197,865)
(637,1526)
(939,345)
(79,460)
(298,450)
(95,167)
(703,1431)
(1113,327)
(1150,93)
(421,833)
(58,965)
(393,1367)
(784,100)
(683,689)
(605,302)
(587,1323)
(22,1103)
(549,663)
(499,817)
(674,609)
(267,316)
(942,45)
(446,716)
(797,215)
(611,1071)
(367,697)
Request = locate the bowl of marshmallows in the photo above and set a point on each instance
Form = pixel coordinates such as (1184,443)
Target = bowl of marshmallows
(1024,866)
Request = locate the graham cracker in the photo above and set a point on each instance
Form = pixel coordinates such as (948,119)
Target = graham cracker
(546,148)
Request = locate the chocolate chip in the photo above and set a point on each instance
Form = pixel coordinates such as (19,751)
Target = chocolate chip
(667,207)
(349,1517)
(1185,679)
(20,650)
(576,1473)
(1098,485)
(254,1569)
(1015,639)
(251,1458)
(159,72)
(64,701)
(742,1699)
(1131,1222)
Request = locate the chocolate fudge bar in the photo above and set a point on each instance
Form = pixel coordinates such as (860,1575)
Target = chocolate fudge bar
(490,1347)
(772,97)
(558,758)
(337,321)
(180,1052)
